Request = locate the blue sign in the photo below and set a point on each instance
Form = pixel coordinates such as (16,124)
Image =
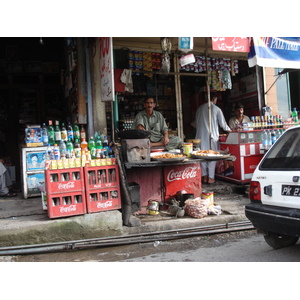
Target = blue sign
(276,52)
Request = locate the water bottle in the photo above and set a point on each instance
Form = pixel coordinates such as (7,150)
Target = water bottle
(49,153)
(269,139)
(69,148)
(62,149)
(56,152)
(45,138)
(264,138)
(273,136)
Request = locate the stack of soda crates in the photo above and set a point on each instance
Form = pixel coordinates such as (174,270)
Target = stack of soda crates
(65,192)
(102,188)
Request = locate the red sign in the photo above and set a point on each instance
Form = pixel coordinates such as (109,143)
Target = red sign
(232,44)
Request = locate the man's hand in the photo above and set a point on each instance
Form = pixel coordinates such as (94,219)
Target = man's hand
(165,139)
(140,127)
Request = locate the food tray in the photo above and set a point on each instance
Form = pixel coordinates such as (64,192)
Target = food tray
(222,155)
(174,159)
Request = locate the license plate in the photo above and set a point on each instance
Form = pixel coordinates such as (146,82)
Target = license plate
(290,190)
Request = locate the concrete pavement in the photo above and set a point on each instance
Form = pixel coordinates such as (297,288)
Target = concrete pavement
(23,221)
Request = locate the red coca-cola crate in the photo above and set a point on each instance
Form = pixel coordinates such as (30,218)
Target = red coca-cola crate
(66,204)
(102,188)
(64,180)
(101,177)
(103,199)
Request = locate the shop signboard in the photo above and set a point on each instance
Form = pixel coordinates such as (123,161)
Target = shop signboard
(275,52)
(106,69)
(232,44)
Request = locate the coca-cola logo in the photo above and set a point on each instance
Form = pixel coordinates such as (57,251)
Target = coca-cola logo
(104,204)
(66,186)
(66,209)
(187,173)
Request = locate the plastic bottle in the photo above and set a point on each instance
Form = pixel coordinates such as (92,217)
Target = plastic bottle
(273,136)
(45,138)
(57,133)
(56,152)
(92,147)
(269,139)
(82,133)
(64,133)
(77,148)
(70,132)
(69,148)
(49,153)
(98,146)
(62,149)
(84,145)
(76,132)
(295,116)
(51,137)
(264,138)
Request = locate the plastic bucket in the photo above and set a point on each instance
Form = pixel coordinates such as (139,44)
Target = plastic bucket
(153,207)
(187,148)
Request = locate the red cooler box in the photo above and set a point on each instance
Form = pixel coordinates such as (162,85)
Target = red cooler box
(182,177)
(102,188)
(65,192)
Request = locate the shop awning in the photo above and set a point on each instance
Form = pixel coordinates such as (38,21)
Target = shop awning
(275,52)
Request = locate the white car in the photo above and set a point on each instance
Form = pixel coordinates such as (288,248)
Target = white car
(275,192)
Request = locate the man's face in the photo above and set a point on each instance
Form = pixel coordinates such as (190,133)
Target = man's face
(239,111)
(149,104)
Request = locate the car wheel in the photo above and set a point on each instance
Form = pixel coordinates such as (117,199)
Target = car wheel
(277,241)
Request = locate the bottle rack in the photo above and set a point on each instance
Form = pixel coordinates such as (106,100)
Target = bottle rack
(102,188)
(65,192)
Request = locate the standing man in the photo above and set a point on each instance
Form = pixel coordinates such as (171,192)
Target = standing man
(207,137)
(153,121)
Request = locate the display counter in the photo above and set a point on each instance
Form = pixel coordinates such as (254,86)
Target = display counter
(161,181)
(247,147)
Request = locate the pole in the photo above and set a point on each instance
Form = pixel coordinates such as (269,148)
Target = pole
(208,96)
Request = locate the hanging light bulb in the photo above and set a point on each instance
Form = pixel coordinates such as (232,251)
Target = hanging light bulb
(41,41)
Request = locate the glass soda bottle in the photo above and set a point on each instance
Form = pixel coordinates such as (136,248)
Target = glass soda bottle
(51,137)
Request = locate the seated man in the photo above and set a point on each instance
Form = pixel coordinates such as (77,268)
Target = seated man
(153,121)
(5,182)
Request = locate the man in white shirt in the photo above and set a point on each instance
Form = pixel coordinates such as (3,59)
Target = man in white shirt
(209,140)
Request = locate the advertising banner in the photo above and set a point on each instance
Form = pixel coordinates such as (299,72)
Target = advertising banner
(106,69)
(231,44)
(275,52)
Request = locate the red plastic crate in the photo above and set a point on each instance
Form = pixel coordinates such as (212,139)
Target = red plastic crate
(103,199)
(101,177)
(102,188)
(66,204)
(64,180)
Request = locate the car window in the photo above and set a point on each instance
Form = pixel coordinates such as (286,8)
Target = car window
(285,154)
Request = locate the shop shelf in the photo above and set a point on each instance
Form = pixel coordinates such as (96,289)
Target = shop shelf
(64,180)
(66,204)
(103,199)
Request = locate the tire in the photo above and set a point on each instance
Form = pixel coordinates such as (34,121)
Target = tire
(278,241)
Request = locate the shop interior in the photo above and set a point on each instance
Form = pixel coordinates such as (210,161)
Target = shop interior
(32,90)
